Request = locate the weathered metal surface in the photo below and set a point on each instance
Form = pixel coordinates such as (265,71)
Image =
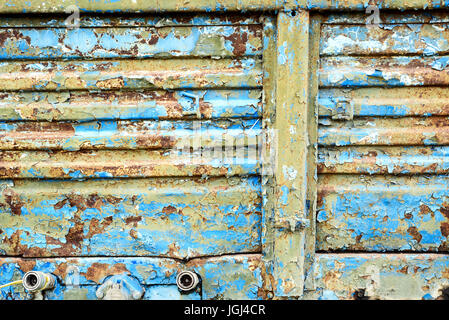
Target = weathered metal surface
(385,131)
(130,74)
(165,217)
(112,42)
(131,20)
(120,6)
(60,6)
(396,71)
(391,39)
(227,277)
(122,138)
(361,5)
(292,93)
(111,134)
(157,105)
(383,213)
(388,17)
(124,164)
(381,276)
(383,135)
(384,160)
(384,102)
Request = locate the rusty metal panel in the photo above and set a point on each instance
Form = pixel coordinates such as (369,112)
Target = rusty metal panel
(383,213)
(393,39)
(123,139)
(384,160)
(385,131)
(130,74)
(138,42)
(383,102)
(124,164)
(395,71)
(361,5)
(120,6)
(179,218)
(132,105)
(134,134)
(138,6)
(381,276)
(382,135)
(227,277)
(388,17)
(95,20)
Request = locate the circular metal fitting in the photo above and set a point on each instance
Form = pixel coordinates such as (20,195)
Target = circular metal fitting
(187,280)
(38,281)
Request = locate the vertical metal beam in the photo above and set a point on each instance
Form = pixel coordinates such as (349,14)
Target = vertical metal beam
(292,95)
(312,127)
(269,151)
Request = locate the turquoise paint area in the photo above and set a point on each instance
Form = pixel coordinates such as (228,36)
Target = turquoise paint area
(388,217)
(139,226)
(134,42)
(150,105)
(338,39)
(329,99)
(328,136)
(349,72)
(430,160)
(395,276)
(223,277)
(133,134)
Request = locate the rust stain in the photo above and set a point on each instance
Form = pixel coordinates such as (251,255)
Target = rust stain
(98,271)
(14,202)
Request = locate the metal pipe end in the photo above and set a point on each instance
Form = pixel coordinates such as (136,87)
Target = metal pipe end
(187,280)
(37,281)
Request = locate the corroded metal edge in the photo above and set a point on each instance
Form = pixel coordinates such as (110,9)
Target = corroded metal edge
(60,6)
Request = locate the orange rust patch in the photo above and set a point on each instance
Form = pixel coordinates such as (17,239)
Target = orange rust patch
(26,265)
(169,210)
(408,216)
(96,228)
(413,231)
(445,210)
(61,270)
(404,270)
(14,245)
(424,209)
(14,202)
(444,228)
(98,271)
(133,220)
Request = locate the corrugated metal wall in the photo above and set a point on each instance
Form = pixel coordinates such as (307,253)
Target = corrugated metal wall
(96,128)
(383,156)
(96,179)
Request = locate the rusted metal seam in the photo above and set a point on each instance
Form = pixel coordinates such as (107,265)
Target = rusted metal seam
(185,260)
